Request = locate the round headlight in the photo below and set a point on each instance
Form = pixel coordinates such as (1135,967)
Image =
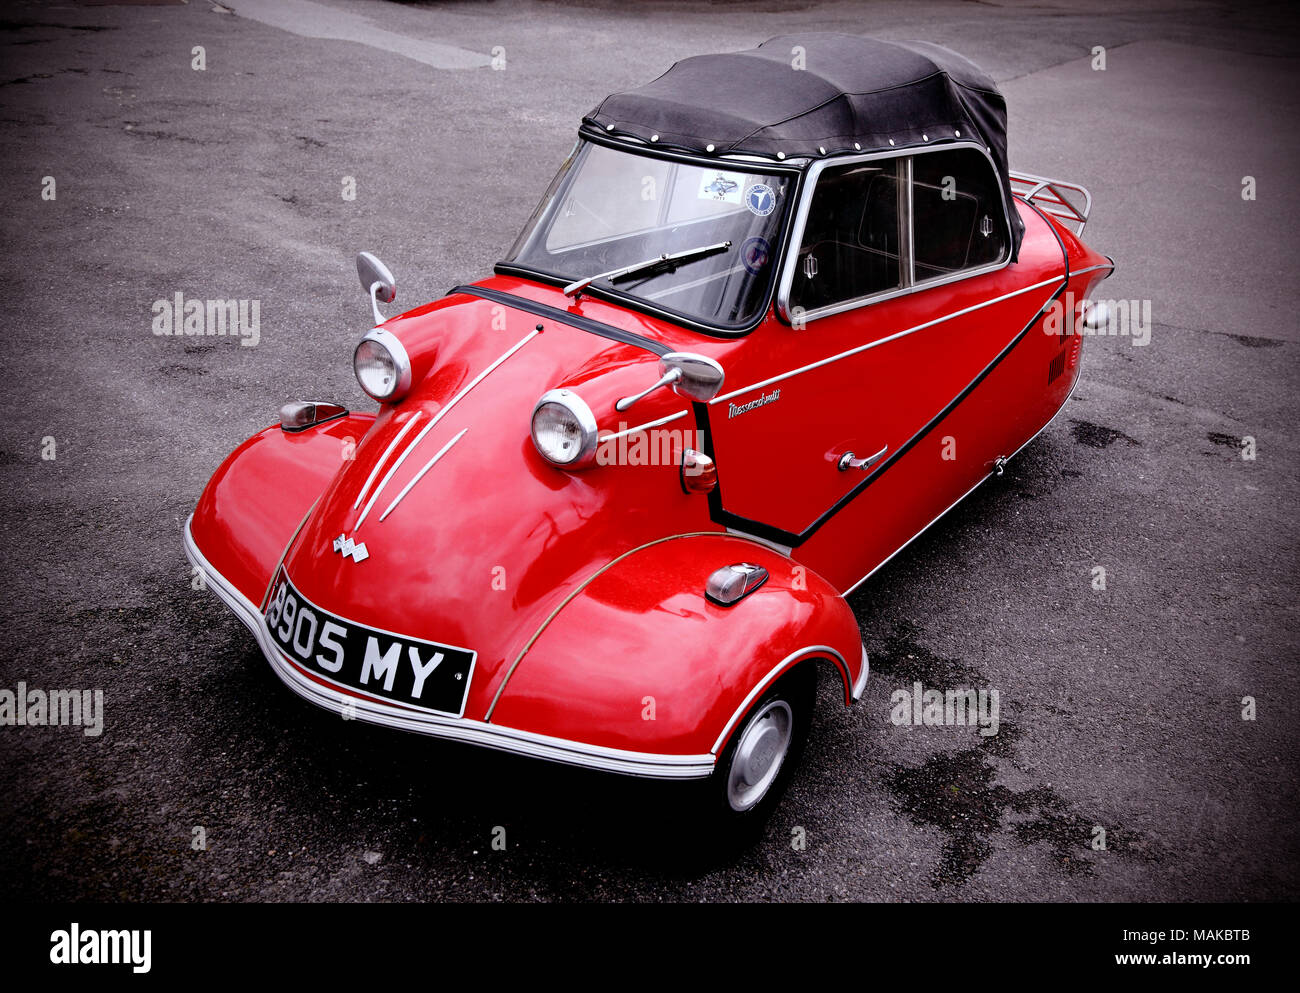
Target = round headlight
(564,429)
(382,366)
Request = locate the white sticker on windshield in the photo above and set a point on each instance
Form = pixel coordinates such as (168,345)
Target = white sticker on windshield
(722,187)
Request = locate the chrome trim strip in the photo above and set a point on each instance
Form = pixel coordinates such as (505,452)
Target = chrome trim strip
(977,485)
(785,550)
(907,241)
(860,686)
(786,280)
(436,418)
(643,427)
(266,597)
(1093,268)
(474,732)
(767,681)
(420,475)
(881,341)
(860,302)
(384,458)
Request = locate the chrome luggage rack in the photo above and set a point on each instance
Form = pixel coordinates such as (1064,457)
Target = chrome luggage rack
(1049,195)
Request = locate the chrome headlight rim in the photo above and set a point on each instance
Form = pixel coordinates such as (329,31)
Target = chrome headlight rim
(401,363)
(586,420)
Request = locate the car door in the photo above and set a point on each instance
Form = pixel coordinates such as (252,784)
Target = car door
(887,298)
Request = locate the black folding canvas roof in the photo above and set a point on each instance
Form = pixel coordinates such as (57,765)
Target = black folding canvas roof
(817,95)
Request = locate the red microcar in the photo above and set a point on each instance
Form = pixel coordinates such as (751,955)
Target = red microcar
(779,311)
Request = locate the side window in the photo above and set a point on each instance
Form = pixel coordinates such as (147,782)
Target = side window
(957,220)
(851,238)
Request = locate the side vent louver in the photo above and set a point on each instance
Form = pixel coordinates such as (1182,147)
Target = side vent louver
(1055,368)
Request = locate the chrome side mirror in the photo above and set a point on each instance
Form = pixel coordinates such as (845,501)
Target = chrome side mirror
(695,377)
(377,280)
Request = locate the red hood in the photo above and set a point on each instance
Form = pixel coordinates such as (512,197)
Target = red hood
(491,539)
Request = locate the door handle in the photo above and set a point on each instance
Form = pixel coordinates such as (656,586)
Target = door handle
(850,461)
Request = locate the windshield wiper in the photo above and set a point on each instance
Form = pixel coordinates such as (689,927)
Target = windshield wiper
(660,263)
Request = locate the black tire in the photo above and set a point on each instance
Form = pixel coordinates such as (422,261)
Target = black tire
(796,690)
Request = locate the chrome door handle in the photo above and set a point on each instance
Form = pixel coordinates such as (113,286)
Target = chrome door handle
(850,461)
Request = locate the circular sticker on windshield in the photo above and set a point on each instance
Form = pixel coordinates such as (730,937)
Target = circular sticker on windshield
(754,254)
(760,199)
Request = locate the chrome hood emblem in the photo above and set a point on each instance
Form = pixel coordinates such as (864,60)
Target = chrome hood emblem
(351,548)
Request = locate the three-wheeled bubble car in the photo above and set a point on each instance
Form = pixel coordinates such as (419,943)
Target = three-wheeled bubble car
(778,312)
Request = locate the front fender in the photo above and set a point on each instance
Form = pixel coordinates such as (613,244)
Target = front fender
(257,499)
(638,659)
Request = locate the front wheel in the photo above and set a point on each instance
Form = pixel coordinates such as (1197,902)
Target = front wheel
(763,752)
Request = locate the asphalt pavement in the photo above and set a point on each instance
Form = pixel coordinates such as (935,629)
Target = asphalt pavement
(1159,711)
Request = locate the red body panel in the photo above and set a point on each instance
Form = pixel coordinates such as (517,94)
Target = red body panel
(261,493)
(640,660)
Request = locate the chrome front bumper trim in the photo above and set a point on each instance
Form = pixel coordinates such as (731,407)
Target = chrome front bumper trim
(459,729)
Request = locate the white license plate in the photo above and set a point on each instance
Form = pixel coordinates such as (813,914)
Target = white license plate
(425,675)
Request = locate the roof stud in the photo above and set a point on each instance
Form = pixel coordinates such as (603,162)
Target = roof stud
(654,137)
(708,148)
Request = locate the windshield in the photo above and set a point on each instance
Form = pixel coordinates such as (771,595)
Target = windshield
(610,208)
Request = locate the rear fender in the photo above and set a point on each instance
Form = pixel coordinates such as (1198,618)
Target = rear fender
(638,659)
(254,504)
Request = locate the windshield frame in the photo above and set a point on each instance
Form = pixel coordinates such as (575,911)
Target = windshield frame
(793,168)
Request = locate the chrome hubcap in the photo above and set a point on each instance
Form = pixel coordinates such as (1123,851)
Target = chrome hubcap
(759,754)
